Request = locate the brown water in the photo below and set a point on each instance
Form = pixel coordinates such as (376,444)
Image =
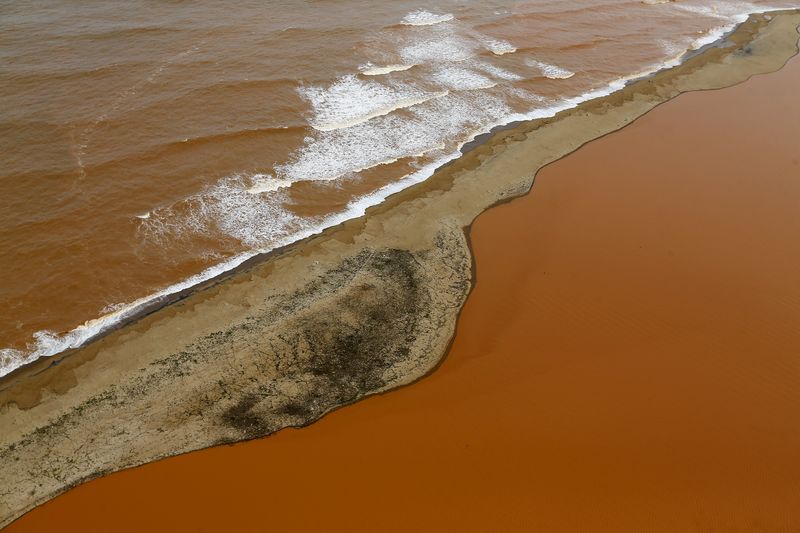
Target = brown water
(148,144)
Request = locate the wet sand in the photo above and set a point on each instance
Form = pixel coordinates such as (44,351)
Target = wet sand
(627,361)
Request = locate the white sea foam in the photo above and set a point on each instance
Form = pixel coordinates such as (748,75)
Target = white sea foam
(673,49)
(499,47)
(461,79)
(525,95)
(706,10)
(425,18)
(267,183)
(438,47)
(711,36)
(350,101)
(733,13)
(550,71)
(230,207)
(260,220)
(400,103)
(496,72)
(337,153)
(674,53)
(371,70)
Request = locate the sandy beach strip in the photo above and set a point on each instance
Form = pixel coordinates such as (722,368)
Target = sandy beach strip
(624,358)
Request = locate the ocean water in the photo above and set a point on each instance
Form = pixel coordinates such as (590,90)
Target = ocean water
(148,146)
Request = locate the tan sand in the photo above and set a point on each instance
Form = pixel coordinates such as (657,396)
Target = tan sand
(624,360)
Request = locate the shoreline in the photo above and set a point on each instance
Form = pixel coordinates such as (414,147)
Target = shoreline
(132,312)
(17,403)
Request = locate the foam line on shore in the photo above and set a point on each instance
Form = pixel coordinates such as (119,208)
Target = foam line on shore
(422,17)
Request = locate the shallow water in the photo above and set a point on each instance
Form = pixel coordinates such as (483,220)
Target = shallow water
(152,144)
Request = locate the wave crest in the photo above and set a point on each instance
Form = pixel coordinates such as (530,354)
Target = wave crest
(422,17)
(551,71)
(350,101)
